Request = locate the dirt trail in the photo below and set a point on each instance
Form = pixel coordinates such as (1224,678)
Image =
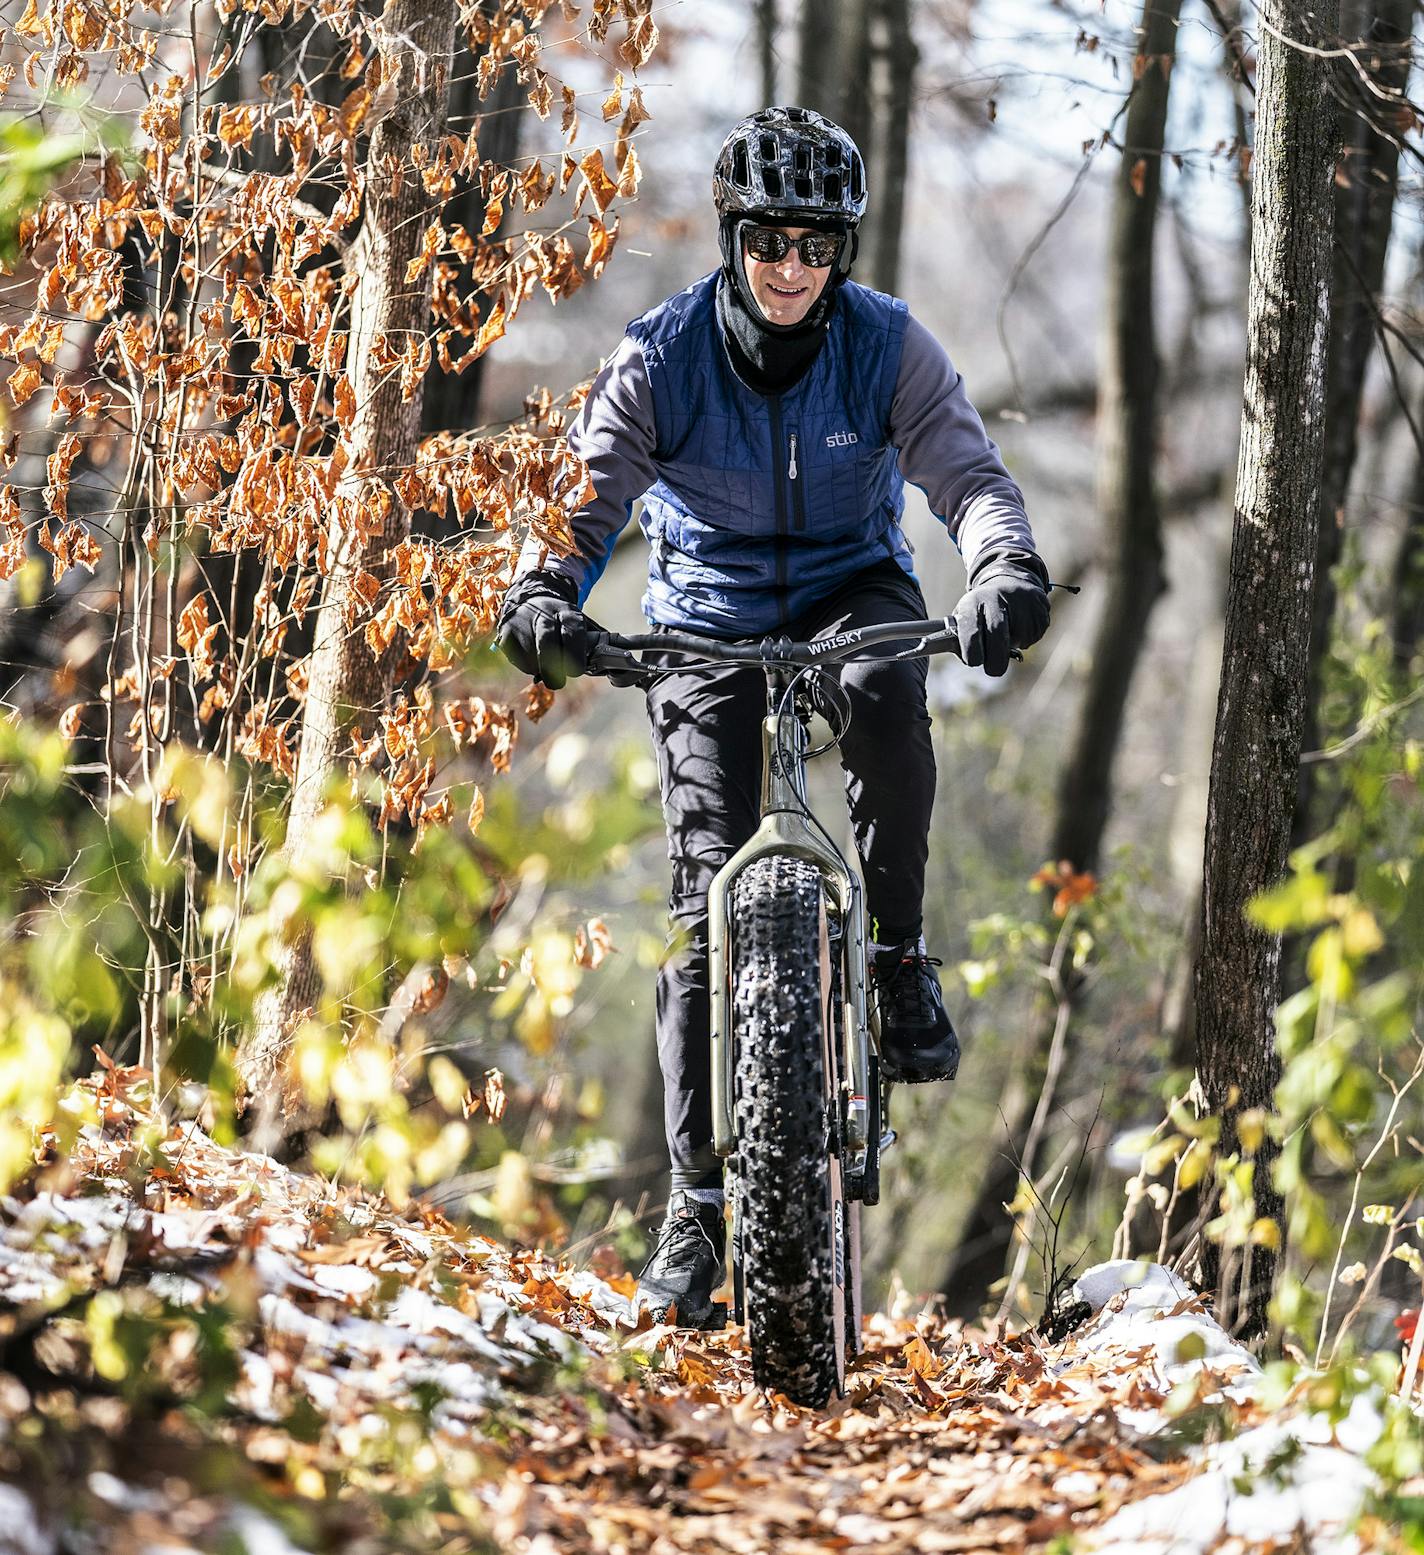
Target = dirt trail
(205,1351)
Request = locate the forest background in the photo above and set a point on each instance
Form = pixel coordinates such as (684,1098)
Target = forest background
(301,297)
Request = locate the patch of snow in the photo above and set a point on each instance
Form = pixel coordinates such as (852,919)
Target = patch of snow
(27,1276)
(259,1535)
(22,1534)
(1292,1477)
(345,1279)
(1148,1286)
(1265,1485)
(601,1296)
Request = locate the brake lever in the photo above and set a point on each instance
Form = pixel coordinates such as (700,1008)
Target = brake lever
(618,665)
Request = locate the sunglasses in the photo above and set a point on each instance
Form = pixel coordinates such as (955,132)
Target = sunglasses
(768,246)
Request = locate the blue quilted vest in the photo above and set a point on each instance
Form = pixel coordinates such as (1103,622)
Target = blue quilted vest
(765,504)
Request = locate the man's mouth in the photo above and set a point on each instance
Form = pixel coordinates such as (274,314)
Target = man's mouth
(779,291)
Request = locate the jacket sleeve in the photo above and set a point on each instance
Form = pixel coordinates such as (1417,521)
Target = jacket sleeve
(945,451)
(614,435)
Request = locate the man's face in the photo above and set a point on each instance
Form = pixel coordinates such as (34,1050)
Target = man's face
(786,289)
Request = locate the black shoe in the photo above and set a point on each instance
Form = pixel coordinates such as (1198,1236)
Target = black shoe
(917,1040)
(687,1264)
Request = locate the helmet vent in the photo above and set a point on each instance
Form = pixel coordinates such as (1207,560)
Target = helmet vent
(786,163)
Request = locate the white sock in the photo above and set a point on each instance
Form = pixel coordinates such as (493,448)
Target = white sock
(878,949)
(705,1196)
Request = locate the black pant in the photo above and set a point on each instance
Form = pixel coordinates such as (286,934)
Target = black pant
(707,730)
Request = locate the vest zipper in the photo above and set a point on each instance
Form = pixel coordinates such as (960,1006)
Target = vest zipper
(774,403)
(798,501)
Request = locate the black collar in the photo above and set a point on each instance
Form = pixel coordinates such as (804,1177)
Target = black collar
(770,363)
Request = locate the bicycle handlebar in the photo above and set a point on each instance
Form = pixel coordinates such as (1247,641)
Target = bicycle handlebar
(614,654)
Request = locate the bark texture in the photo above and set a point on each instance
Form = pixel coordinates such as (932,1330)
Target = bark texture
(345,681)
(894,77)
(857,66)
(1408,581)
(1127,420)
(765,13)
(1265,664)
(1364,212)
(817,74)
(452,400)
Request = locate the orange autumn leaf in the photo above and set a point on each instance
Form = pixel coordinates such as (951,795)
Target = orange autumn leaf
(235,126)
(74,546)
(196,634)
(601,187)
(353,111)
(593,943)
(491,330)
(642,39)
(600,245)
(921,1360)
(1070,888)
(23,382)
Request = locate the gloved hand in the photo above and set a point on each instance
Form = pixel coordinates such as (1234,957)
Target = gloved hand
(1005,607)
(542,631)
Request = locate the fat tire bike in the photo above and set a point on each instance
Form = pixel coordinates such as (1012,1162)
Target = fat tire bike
(800,1108)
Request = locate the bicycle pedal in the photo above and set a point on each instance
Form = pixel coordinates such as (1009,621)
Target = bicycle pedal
(887,1139)
(716,1319)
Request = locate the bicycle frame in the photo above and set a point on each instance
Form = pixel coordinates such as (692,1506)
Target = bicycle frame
(785,829)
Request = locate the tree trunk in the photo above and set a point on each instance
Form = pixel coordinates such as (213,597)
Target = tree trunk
(452,400)
(1408,590)
(765,12)
(817,76)
(895,73)
(344,679)
(855,62)
(1127,494)
(1265,664)
(1364,212)
(1188,826)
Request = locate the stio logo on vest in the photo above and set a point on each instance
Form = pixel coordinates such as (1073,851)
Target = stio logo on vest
(841,439)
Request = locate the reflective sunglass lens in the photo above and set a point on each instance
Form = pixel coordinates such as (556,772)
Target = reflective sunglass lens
(768,246)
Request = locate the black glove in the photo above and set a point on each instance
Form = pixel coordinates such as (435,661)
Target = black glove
(542,631)
(1006,607)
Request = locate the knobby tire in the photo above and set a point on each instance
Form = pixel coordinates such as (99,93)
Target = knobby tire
(780,985)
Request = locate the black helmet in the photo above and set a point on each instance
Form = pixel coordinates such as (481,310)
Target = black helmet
(791,164)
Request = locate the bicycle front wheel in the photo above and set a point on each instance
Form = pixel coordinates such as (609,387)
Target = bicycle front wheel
(792,1230)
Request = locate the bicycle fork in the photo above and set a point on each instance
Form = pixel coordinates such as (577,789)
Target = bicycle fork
(785,829)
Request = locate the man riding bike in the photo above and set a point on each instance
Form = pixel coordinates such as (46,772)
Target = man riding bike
(768,416)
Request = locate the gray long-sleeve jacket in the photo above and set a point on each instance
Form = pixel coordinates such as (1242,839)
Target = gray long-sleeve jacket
(757,505)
